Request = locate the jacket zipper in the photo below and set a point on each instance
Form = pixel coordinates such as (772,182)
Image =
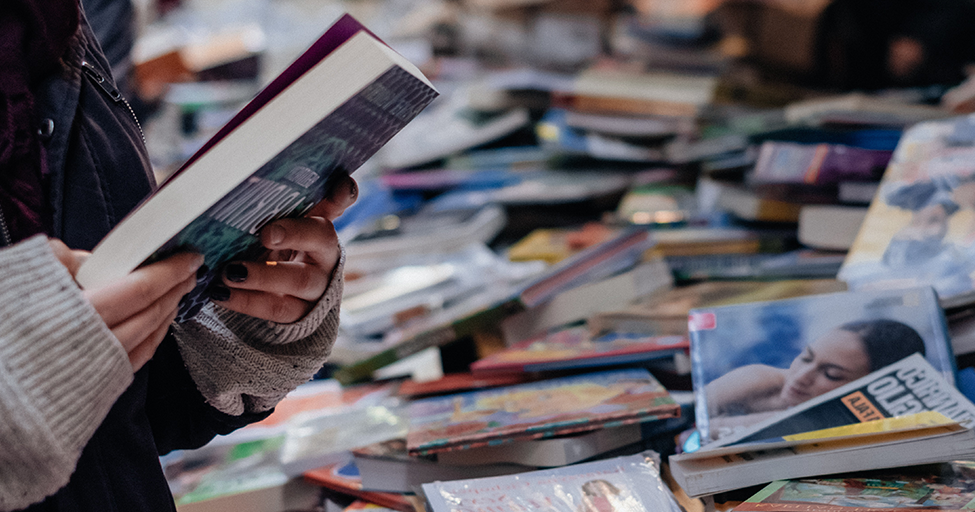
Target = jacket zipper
(5,237)
(112,92)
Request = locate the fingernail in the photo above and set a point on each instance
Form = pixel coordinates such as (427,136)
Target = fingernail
(202,272)
(236,273)
(219,293)
(275,234)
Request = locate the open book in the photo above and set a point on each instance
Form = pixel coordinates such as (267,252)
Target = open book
(332,109)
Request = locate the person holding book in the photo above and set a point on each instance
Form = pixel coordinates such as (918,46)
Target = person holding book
(751,393)
(96,384)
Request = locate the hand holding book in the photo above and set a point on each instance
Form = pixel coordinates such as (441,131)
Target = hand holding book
(139,307)
(284,284)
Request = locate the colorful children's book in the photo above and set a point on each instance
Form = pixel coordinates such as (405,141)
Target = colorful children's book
(332,109)
(947,487)
(920,228)
(623,483)
(574,347)
(755,360)
(536,410)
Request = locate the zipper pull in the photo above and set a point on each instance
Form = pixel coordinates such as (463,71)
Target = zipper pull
(101,81)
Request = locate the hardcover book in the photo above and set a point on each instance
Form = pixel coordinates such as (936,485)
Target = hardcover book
(623,483)
(755,360)
(920,228)
(536,410)
(574,347)
(947,487)
(272,160)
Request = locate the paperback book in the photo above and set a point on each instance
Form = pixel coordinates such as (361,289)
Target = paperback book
(908,386)
(920,228)
(537,410)
(575,347)
(948,487)
(623,483)
(920,438)
(274,159)
(757,360)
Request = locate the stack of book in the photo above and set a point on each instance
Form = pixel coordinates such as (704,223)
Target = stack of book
(633,296)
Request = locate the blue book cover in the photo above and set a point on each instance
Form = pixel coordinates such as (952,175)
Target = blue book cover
(340,102)
(752,361)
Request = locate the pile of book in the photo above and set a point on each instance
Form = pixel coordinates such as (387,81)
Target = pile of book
(596,289)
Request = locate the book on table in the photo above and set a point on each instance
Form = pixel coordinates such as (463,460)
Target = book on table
(947,487)
(753,360)
(919,229)
(574,347)
(328,112)
(536,410)
(776,447)
(630,482)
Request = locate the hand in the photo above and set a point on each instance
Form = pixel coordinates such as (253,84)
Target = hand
(302,257)
(139,307)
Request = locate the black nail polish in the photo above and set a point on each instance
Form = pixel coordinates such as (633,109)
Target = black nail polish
(236,273)
(202,272)
(219,293)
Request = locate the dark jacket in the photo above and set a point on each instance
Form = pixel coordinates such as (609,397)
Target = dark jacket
(99,171)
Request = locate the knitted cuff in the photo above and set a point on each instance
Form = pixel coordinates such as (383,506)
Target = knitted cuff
(61,369)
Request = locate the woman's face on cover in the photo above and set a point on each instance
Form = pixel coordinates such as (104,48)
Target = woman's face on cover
(825,364)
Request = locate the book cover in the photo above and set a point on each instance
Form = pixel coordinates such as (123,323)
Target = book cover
(622,483)
(273,160)
(948,487)
(920,228)
(908,386)
(753,360)
(535,410)
(575,347)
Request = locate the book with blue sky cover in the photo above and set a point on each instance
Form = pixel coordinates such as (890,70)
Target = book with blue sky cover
(754,360)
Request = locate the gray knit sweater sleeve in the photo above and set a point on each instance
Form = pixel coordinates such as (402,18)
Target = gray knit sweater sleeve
(61,370)
(243,364)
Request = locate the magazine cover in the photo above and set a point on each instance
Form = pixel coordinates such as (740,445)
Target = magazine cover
(575,347)
(536,410)
(947,487)
(751,361)
(920,229)
(908,386)
(622,484)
